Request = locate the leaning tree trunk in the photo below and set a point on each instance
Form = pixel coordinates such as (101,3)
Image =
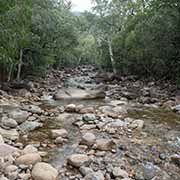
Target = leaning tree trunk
(111,56)
(20,65)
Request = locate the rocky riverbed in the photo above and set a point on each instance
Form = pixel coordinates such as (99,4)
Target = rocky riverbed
(82,125)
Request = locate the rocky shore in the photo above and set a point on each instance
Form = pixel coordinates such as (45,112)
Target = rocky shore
(77,124)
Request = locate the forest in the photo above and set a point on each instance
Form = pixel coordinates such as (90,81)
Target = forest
(128,37)
(90,95)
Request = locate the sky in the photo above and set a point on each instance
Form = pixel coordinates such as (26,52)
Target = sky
(81,5)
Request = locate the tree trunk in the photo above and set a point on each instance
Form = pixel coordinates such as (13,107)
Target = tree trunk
(10,72)
(111,56)
(20,65)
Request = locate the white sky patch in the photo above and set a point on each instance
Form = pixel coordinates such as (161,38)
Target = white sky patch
(81,5)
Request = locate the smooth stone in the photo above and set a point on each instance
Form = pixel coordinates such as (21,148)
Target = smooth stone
(89,117)
(1,139)
(85,170)
(10,169)
(30,126)
(7,150)
(118,172)
(19,116)
(59,133)
(137,124)
(105,144)
(3,178)
(78,160)
(11,134)
(74,93)
(8,122)
(70,108)
(34,109)
(44,171)
(120,109)
(28,159)
(88,139)
(59,140)
(95,176)
(29,149)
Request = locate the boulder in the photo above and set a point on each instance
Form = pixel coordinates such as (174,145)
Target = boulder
(89,117)
(78,160)
(44,171)
(8,122)
(88,139)
(59,133)
(73,93)
(28,159)
(29,149)
(30,126)
(19,116)
(85,170)
(105,144)
(137,124)
(33,109)
(7,150)
(118,172)
(95,176)
(70,108)
(11,134)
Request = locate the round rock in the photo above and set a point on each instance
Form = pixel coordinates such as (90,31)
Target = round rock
(44,171)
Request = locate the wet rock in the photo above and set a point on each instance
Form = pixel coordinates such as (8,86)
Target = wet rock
(89,117)
(105,144)
(78,160)
(30,126)
(59,133)
(8,122)
(95,176)
(29,149)
(88,139)
(44,171)
(11,134)
(6,150)
(28,159)
(137,124)
(176,159)
(118,172)
(19,116)
(85,170)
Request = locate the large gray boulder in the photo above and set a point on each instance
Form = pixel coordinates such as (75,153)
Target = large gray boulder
(73,93)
